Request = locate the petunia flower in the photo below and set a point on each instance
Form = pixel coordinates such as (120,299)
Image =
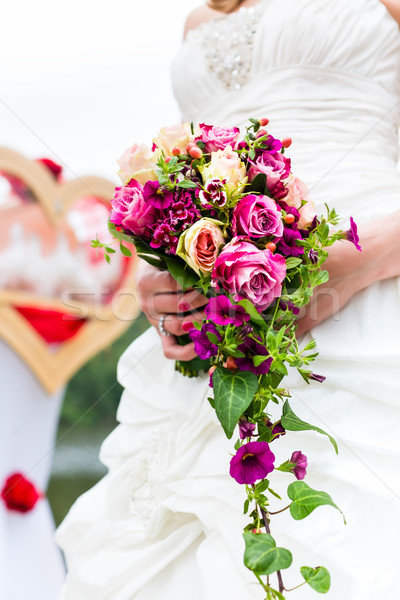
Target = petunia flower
(246,429)
(251,462)
(251,348)
(299,464)
(202,345)
(352,235)
(221,311)
(157,196)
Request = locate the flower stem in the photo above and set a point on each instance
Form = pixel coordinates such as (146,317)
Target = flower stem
(268,530)
(279,511)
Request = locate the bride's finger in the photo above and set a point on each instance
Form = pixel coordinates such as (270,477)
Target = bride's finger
(174,351)
(162,304)
(191,301)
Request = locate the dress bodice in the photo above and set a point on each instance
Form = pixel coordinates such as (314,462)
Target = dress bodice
(326,73)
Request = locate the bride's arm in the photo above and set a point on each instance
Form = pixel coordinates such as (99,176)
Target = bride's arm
(350,271)
(393,7)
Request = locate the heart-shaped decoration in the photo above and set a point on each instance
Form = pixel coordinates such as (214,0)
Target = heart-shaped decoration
(96,314)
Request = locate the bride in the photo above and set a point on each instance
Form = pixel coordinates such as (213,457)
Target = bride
(166,521)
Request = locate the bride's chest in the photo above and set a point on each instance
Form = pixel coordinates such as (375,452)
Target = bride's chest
(357,36)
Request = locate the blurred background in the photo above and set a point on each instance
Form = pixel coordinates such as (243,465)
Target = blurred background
(80,82)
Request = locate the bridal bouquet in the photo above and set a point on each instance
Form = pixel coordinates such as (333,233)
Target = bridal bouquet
(224,214)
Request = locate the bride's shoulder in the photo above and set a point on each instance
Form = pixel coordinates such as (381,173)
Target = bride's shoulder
(199,15)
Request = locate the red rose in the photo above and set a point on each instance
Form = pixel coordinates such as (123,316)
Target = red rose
(19,494)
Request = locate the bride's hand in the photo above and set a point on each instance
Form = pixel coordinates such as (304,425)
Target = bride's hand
(351,271)
(159,295)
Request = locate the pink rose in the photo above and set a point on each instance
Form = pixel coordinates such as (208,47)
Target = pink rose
(276,167)
(200,244)
(217,138)
(138,162)
(297,193)
(130,211)
(247,272)
(175,136)
(257,216)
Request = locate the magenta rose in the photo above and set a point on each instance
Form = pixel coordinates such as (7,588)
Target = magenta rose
(247,272)
(217,138)
(130,211)
(276,167)
(257,216)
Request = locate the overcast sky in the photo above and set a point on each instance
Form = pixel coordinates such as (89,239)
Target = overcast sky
(83,79)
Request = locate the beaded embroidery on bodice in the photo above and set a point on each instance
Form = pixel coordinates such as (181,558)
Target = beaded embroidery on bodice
(227,44)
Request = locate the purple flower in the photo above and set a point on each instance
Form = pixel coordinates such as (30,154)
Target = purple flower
(251,348)
(214,193)
(246,429)
(315,377)
(300,464)
(257,216)
(271,144)
(157,196)
(287,244)
(164,236)
(221,311)
(251,462)
(276,429)
(352,234)
(245,332)
(313,256)
(202,345)
(130,211)
(288,305)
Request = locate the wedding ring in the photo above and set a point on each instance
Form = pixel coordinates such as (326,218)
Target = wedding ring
(161,327)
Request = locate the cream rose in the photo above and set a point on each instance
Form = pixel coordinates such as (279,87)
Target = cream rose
(226,164)
(138,162)
(297,193)
(176,136)
(200,245)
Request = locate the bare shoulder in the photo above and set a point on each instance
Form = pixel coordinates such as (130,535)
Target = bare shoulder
(199,15)
(393,7)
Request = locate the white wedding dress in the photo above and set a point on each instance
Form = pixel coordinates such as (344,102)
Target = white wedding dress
(166,521)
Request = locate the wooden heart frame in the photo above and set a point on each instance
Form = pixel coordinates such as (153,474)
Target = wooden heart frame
(54,366)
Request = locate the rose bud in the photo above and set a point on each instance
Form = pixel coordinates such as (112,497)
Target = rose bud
(289,219)
(195,152)
(287,142)
(271,246)
(264,122)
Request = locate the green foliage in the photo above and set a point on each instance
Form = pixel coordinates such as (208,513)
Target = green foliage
(233,392)
(305,500)
(292,423)
(319,578)
(262,556)
(181,272)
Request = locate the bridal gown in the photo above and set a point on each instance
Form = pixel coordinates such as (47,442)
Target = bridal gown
(166,521)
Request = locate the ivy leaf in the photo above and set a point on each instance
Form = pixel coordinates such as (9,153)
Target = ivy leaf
(262,556)
(182,273)
(233,393)
(291,422)
(305,500)
(319,578)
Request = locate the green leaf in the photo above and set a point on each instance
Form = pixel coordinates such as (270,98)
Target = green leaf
(291,422)
(293,262)
(258,184)
(155,261)
(262,556)
(124,250)
(253,312)
(319,578)
(258,360)
(305,500)
(214,339)
(233,393)
(186,184)
(120,235)
(181,272)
